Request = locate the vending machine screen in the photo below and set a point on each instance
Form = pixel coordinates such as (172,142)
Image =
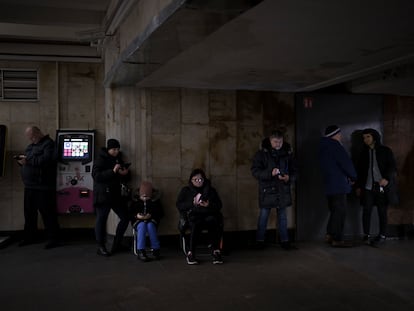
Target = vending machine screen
(73,148)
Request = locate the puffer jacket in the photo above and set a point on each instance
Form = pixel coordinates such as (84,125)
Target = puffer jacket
(264,161)
(106,183)
(185,198)
(39,172)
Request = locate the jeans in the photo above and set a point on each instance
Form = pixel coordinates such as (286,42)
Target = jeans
(281,224)
(336,222)
(143,228)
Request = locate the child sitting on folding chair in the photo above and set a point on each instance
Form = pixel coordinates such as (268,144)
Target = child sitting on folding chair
(146,212)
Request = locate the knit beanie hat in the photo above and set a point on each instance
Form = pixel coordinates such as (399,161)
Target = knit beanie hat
(332,130)
(145,189)
(112,143)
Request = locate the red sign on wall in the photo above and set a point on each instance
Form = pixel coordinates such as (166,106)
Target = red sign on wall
(307,102)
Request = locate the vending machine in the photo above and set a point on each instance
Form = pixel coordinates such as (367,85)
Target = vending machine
(74,171)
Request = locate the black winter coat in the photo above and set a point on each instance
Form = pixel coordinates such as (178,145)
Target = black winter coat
(185,201)
(272,191)
(106,183)
(39,172)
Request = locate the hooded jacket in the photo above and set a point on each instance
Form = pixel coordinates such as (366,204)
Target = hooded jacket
(386,164)
(336,167)
(264,161)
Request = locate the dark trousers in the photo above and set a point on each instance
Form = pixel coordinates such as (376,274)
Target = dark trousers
(44,202)
(337,206)
(378,199)
(197,224)
(102,212)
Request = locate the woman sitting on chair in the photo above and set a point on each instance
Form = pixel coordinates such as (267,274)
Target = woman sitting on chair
(146,213)
(200,202)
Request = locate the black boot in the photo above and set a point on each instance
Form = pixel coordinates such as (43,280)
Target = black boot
(102,251)
(142,255)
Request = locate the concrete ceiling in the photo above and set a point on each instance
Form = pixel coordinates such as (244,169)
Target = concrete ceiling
(51,29)
(288,46)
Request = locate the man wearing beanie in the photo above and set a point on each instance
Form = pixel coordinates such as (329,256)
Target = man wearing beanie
(112,144)
(338,174)
(108,172)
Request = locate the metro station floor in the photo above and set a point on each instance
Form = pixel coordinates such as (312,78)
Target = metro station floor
(314,277)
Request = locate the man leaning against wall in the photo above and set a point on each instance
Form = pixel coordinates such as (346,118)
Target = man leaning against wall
(38,171)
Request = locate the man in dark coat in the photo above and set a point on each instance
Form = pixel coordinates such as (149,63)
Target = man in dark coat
(38,170)
(338,174)
(274,168)
(376,183)
(108,172)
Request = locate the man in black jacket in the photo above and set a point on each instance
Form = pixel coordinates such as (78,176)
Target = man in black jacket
(108,172)
(38,170)
(274,168)
(376,183)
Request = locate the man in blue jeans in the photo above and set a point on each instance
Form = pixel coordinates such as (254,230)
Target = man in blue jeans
(274,168)
(338,174)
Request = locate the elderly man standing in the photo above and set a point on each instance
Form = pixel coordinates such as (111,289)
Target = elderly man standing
(338,174)
(274,168)
(38,171)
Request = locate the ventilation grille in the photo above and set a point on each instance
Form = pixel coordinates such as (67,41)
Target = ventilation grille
(19,85)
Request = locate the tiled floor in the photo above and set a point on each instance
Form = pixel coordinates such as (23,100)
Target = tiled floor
(314,277)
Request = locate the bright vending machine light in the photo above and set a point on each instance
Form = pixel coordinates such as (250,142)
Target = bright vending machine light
(74,171)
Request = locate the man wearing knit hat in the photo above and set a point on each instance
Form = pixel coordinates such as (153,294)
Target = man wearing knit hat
(108,172)
(338,174)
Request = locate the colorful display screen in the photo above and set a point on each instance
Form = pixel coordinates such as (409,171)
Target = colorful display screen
(75,147)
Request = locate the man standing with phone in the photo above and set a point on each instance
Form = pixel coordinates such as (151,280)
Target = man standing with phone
(274,168)
(38,170)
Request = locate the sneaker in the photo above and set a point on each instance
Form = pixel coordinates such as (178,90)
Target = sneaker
(378,241)
(367,239)
(156,254)
(217,259)
(142,255)
(191,260)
